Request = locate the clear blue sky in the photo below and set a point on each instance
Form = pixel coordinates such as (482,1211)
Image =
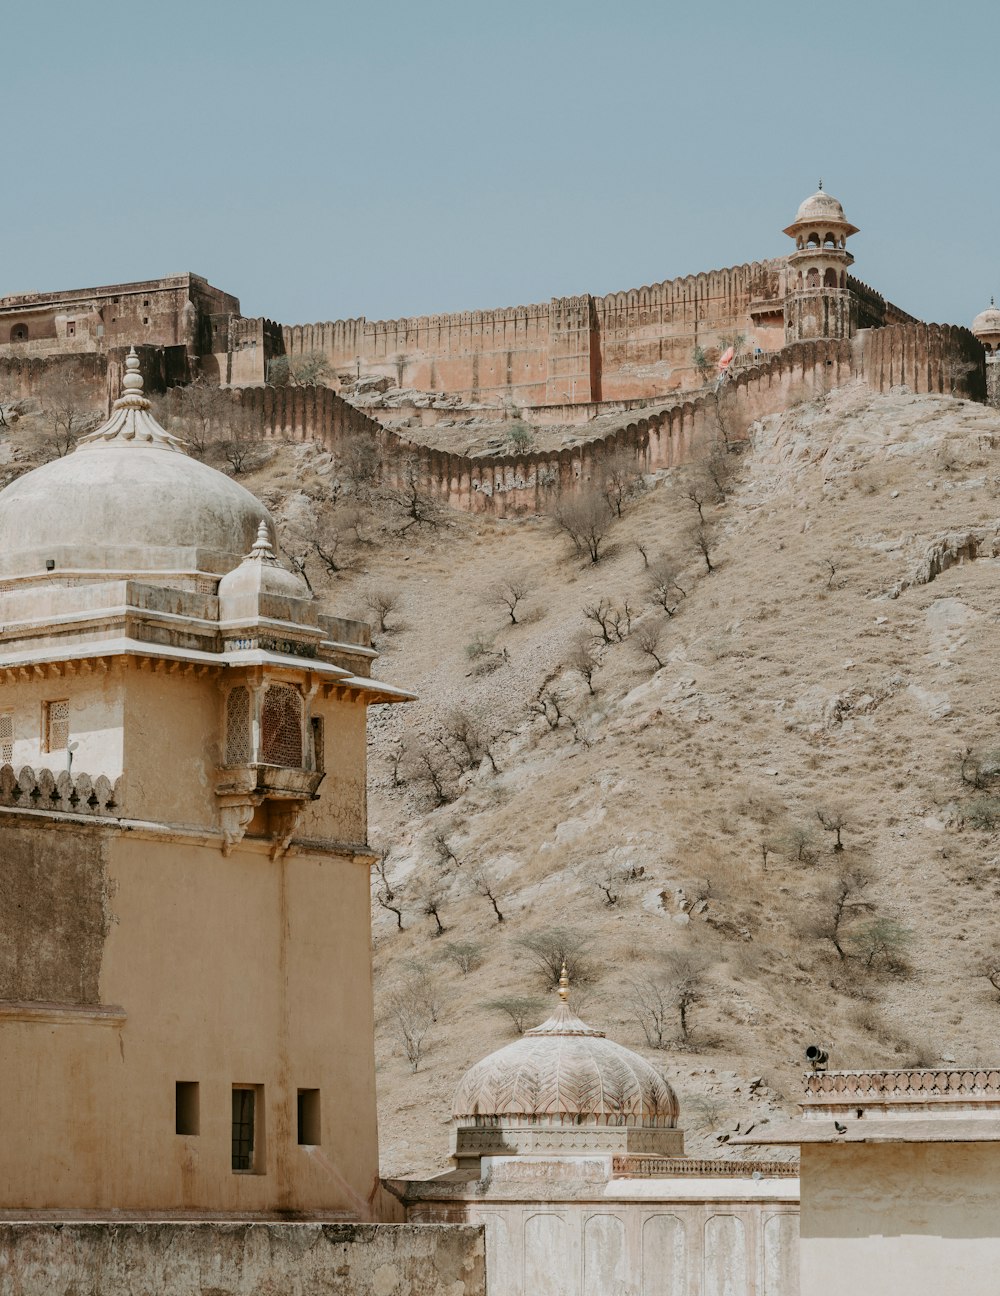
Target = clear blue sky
(322,160)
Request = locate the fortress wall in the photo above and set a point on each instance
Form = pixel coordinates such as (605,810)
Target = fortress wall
(571,349)
(926,357)
(940,359)
(22,377)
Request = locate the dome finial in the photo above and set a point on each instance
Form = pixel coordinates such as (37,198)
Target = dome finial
(262,549)
(132,396)
(564,983)
(821,184)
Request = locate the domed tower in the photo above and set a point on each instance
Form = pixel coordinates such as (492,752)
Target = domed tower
(563,1090)
(818,303)
(986,327)
(186,1019)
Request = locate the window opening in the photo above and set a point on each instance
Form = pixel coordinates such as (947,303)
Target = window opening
(308,1118)
(71,328)
(187,1107)
(318,741)
(281,727)
(244,1111)
(19,333)
(55,735)
(6,737)
(239,746)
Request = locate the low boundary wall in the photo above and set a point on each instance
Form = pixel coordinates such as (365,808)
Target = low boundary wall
(238,1259)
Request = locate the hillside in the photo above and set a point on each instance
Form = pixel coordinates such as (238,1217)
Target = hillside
(822,682)
(793,685)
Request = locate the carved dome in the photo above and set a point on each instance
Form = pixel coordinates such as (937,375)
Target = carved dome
(127,501)
(260,573)
(565,1073)
(987,321)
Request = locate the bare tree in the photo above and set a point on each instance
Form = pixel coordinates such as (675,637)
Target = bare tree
(485,885)
(509,593)
(703,543)
(520,1010)
(549,706)
(311,369)
(622,478)
(834,820)
(614,623)
(991,970)
(66,408)
(381,602)
(841,901)
(467,741)
(800,842)
(881,944)
(555,947)
(583,660)
(585,518)
(466,955)
(433,769)
(647,639)
(409,1008)
(417,508)
(664,586)
(651,1003)
(431,903)
(685,979)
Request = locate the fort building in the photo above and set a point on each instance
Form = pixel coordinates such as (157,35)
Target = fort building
(583,350)
(900,1175)
(566,1146)
(185,973)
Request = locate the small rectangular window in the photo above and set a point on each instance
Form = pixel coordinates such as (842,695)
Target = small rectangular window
(308,1118)
(55,725)
(71,328)
(248,1122)
(6,737)
(187,1107)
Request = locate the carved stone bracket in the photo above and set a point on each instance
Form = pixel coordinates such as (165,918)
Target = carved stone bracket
(235,818)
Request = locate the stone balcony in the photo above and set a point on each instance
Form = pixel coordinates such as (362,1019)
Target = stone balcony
(62,791)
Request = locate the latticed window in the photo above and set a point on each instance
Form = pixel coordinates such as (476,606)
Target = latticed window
(6,737)
(55,725)
(281,727)
(239,732)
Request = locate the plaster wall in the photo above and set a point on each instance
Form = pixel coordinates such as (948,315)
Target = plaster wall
(96,721)
(919,1218)
(238,970)
(238,1259)
(704,1242)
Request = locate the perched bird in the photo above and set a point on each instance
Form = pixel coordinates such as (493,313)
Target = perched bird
(841,1129)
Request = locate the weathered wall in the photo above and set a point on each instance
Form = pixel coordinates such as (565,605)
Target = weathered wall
(706,1239)
(54,915)
(630,344)
(216,1259)
(919,1218)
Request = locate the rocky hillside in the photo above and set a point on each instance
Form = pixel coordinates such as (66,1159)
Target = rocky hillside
(758,810)
(769,818)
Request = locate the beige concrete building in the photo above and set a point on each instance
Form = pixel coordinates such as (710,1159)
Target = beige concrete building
(900,1182)
(185,975)
(566,1147)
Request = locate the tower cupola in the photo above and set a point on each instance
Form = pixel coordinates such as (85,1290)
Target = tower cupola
(818,303)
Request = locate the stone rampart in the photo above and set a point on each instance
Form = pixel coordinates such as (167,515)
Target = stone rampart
(925,357)
(238,1259)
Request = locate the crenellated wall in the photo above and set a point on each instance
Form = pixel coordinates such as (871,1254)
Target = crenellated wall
(572,349)
(925,357)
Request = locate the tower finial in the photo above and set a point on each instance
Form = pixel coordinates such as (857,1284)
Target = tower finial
(821,184)
(992,300)
(564,983)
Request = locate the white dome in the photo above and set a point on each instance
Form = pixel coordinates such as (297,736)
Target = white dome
(821,208)
(987,321)
(127,501)
(565,1072)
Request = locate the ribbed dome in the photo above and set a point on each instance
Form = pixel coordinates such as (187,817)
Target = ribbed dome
(261,573)
(565,1072)
(127,501)
(987,321)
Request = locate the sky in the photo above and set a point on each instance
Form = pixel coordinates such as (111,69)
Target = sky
(322,160)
